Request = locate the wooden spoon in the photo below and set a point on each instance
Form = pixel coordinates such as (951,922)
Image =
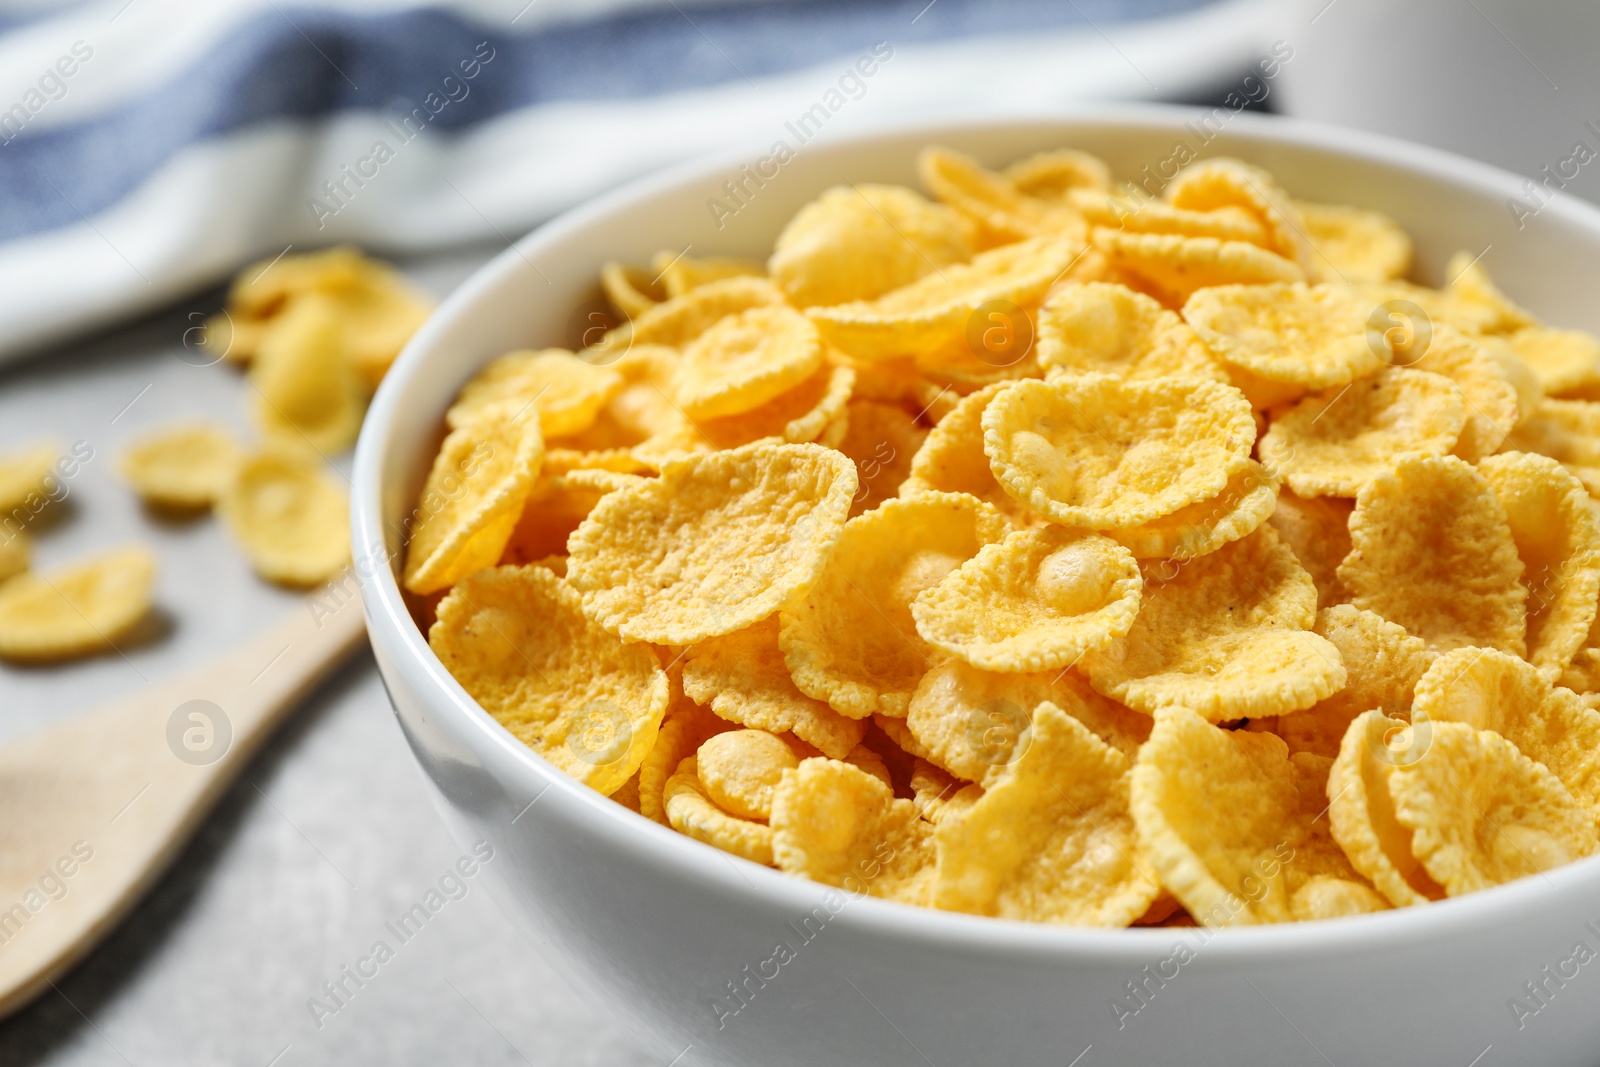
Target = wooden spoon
(93,810)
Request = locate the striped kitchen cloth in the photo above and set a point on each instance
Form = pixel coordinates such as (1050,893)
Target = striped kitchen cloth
(150,147)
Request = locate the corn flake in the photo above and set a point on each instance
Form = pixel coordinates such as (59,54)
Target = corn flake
(933,313)
(1035,601)
(1213,184)
(859,242)
(691,811)
(1483,814)
(1382,664)
(1057,173)
(1334,442)
(746,360)
(882,439)
(515,639)
(839,825)
(740,768)
(678,321)
(851,639)
(1361,811)
(1173,268)
(1101,328)
(1558,539)
(26,475)
(77,611)
(1486,389)
(566,391)
(1317,530)
(474,497)
(742,678)
(1302,338)
(1564,361)
(631,290)
(291,519)
(1227,635)
(555,507)
(952,460)
(1470,284)
(1100,453)
(811,411)
(1054,841)
(305,388)
(718,542)
(976,724)
(1003,213)
(1431,550)
(1242,843)
(680,272)
(15,554)
(1355,244)
(181,466)
(1250,496)
(684,728)
(1489,690)
(1140,214)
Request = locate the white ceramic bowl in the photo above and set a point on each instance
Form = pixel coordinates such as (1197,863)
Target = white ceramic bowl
(673,936)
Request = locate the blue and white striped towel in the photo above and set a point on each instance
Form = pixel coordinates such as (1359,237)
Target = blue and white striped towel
(148,147)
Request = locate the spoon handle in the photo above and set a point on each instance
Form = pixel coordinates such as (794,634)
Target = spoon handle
(93,810)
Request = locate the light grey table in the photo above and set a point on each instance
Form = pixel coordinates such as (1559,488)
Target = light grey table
(329,834)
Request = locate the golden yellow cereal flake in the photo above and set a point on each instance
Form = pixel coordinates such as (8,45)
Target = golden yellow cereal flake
(1355,244)
(182,466)
(742,678)
(1382,665)
(839,825)
(1558,539)
(745,360)
(27,475)
(1054,841)
(1482,814)
(515,639)
(740,768)
(1361,810)
(1250,496)
(936,311)
(1099,453)
(1336,441)
(1564,361)
(473,497)
(1431,550)
(1246,841)
(858,242)
(76,611)
(1299,336)
(976,724)
(851,639)
(719,541)
(1227,635)
(290,517)
(1490,690)
(305,390)
(1102,328)
(1035,601)
(952,460)
(691,811)
(566,391)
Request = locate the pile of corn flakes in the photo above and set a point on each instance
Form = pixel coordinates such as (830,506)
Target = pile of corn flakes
(1046,550)
(316,333)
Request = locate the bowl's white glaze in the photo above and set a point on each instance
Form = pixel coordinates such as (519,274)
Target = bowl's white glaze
(717,961)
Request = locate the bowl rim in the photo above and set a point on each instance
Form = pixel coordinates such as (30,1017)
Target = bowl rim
(391,626)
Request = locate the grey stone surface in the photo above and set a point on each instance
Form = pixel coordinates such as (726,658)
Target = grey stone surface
(328,835)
